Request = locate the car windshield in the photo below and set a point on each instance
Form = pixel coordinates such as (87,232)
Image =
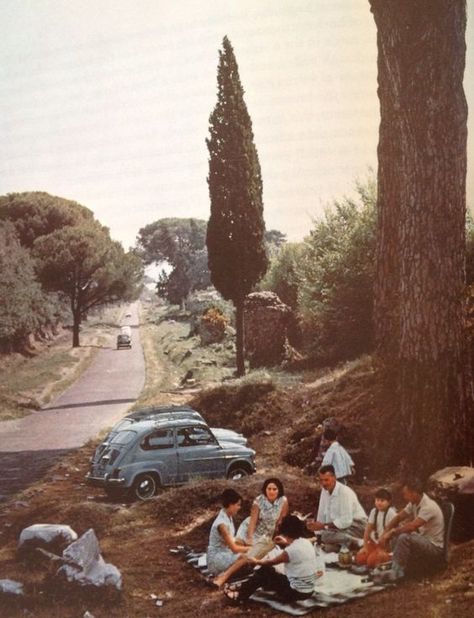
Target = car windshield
(124,437)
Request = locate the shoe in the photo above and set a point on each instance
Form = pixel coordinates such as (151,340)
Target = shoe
(388,576)
(232,595)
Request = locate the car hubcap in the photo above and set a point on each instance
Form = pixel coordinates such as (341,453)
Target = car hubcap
(145,488)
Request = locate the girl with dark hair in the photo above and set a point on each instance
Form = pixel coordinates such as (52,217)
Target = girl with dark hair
(374,552)
(224,549)
(268,510)
(300,565)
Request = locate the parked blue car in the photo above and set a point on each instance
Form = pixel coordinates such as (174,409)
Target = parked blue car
(143,456)
(154,413)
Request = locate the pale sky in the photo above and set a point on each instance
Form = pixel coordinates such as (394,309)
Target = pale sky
(106,102)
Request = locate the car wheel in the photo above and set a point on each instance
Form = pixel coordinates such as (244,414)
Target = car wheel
(145,486)
(237,472)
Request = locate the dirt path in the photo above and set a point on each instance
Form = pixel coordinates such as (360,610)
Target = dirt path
(30,445)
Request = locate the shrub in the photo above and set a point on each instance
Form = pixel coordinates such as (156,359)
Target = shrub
(337,275)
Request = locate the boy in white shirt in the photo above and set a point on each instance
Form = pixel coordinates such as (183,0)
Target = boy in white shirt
(337,457)
(299,560)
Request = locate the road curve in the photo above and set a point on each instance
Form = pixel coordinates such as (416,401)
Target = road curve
(95,401)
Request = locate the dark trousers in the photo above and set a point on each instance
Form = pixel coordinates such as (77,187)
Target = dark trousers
(267,578)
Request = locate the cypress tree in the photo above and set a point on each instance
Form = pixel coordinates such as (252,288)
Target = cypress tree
(235,231)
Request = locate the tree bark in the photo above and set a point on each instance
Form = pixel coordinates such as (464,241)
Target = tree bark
(75,330)
(239,335)
(419,290)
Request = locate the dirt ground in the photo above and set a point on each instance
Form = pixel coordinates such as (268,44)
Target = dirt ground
(137,537)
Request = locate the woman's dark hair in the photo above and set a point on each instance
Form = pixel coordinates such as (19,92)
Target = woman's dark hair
(277,482)
(230,496)
(292,526)
(383,494)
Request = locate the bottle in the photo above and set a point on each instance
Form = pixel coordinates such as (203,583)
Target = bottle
(345,557)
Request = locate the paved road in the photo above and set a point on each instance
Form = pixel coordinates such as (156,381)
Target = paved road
(30,445)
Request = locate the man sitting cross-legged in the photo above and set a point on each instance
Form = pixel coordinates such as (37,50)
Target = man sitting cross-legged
(417,532)
(341,518)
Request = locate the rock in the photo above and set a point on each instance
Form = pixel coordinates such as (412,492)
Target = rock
(456,484)
(10,589)
(453,480)
(265,322)
(52,537)
(85,566)
(187,376)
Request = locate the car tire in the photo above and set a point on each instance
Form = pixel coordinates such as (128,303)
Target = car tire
(145,486)
(237,472)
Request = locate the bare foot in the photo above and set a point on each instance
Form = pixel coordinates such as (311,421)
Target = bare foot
(218,581)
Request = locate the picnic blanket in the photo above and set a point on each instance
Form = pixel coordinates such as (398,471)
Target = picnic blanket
(335,587)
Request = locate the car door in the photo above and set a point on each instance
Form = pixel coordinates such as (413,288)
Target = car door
(199,454)
(158,452)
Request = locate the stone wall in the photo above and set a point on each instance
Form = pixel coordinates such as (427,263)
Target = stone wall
(266,321)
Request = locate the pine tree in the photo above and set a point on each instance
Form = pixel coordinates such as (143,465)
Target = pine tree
(235,232)
(419,289)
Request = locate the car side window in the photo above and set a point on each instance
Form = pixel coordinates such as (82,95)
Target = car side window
(190,436)
(158,439)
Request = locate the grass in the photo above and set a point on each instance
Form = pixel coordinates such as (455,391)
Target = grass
(171,353)
(28,383)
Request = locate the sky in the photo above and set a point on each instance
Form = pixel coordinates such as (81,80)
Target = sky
(107,102)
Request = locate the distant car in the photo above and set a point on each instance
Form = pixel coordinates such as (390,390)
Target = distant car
(145,455)
(128,315)
(124,341)
(170,412)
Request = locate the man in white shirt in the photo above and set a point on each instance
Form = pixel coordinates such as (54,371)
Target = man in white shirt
(338,457)
(341,518)
(417,532)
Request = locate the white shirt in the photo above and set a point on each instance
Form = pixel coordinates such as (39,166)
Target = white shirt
(341,507)
(337,456)
(301,568)
(380,520)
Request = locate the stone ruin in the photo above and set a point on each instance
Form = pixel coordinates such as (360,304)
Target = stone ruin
(266,321)
(76,563)
(456,484)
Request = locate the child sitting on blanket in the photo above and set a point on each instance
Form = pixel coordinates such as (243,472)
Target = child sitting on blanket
(373,552)
(299,562)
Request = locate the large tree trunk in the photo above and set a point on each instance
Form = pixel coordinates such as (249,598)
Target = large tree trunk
(239,336)
(75,329)
(419,288)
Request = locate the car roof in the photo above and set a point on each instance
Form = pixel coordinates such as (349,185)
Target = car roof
(143,413)
(164,423)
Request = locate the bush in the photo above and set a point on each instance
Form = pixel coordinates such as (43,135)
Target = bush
(212,326)
(337,276)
